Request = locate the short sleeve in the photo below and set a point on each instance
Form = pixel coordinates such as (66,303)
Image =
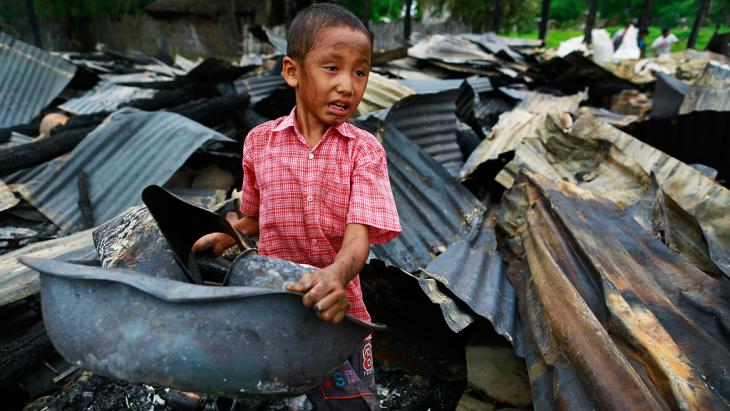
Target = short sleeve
(371,198)
(249,189)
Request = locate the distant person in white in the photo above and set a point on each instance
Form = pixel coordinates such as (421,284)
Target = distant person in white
(662,46)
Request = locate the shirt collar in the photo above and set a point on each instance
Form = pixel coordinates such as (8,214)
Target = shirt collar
(344,128)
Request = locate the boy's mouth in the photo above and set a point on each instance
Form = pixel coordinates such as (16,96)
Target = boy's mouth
(339,107)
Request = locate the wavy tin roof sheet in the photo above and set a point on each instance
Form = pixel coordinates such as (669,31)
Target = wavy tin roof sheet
(30,79)
(130,150)
(435,210)
(612,317)
(475,272)
(105,97)
(260,87)
(430,121)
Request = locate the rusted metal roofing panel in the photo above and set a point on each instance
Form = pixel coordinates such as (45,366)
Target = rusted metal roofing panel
(435,210)
(130,150)
(710,92)
(18,281)
(105,97)
(670,199)
(614,319)
(30,79)
(430,121)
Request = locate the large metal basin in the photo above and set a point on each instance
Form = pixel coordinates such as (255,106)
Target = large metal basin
(232,341)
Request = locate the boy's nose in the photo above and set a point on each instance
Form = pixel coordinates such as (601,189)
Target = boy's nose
(344,85)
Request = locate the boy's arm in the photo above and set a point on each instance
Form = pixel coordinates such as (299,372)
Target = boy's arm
(325,289)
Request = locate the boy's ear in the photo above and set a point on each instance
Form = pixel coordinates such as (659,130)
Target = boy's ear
(291,71)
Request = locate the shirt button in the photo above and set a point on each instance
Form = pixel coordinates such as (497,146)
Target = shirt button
(310,198)
(314,242)
(311,156)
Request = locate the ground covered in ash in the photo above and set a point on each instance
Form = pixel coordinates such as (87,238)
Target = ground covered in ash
(397,390)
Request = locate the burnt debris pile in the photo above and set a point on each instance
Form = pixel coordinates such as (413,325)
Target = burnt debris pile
(565,244)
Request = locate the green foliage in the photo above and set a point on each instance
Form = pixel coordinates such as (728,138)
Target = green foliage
(556,36)
(664,13)
(380,10)
(479,13)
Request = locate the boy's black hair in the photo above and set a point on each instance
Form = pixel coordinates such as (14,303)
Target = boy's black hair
(311,21)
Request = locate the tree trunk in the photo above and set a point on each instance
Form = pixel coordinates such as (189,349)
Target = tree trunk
(645,15)
(544,20)
(497,16)
(407,21)
(288,12)
(590,20)
(33,22)
(704,9)
(366,13)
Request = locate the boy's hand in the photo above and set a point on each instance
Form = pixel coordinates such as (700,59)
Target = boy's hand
(217,243)
(325,291)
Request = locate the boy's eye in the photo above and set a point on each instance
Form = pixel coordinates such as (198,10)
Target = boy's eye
(360,73)
(330,68)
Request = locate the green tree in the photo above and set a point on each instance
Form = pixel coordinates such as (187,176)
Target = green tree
(480,13)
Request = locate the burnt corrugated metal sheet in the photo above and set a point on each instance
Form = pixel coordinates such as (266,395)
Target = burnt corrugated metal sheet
(453,49)
(7,198)
(130,150)
(670,199)
(495,45)
(381,93)
(430,121)
(614,319)
(710,92)
(18,281)
(260,87)
(432,86)
(30,78)
(105,97)
(435,210)
(524,121)
(699,137)
(540,103)
(669,92)
(475,272)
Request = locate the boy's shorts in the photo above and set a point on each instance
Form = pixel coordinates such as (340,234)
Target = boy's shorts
(352,385)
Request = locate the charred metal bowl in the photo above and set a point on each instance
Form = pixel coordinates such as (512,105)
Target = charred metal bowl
(231,341)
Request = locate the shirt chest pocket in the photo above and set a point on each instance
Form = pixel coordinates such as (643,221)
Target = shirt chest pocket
(334,202)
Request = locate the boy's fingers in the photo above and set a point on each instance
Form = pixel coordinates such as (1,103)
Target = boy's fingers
(335,313)
(330,300)
(303,285)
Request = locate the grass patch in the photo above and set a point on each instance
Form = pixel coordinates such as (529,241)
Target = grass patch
(556,36)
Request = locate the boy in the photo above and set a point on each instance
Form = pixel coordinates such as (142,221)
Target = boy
(316,188)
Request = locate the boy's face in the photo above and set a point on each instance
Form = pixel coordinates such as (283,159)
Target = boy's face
(331,80)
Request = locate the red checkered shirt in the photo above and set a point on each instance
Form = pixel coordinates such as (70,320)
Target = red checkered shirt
(304,198)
